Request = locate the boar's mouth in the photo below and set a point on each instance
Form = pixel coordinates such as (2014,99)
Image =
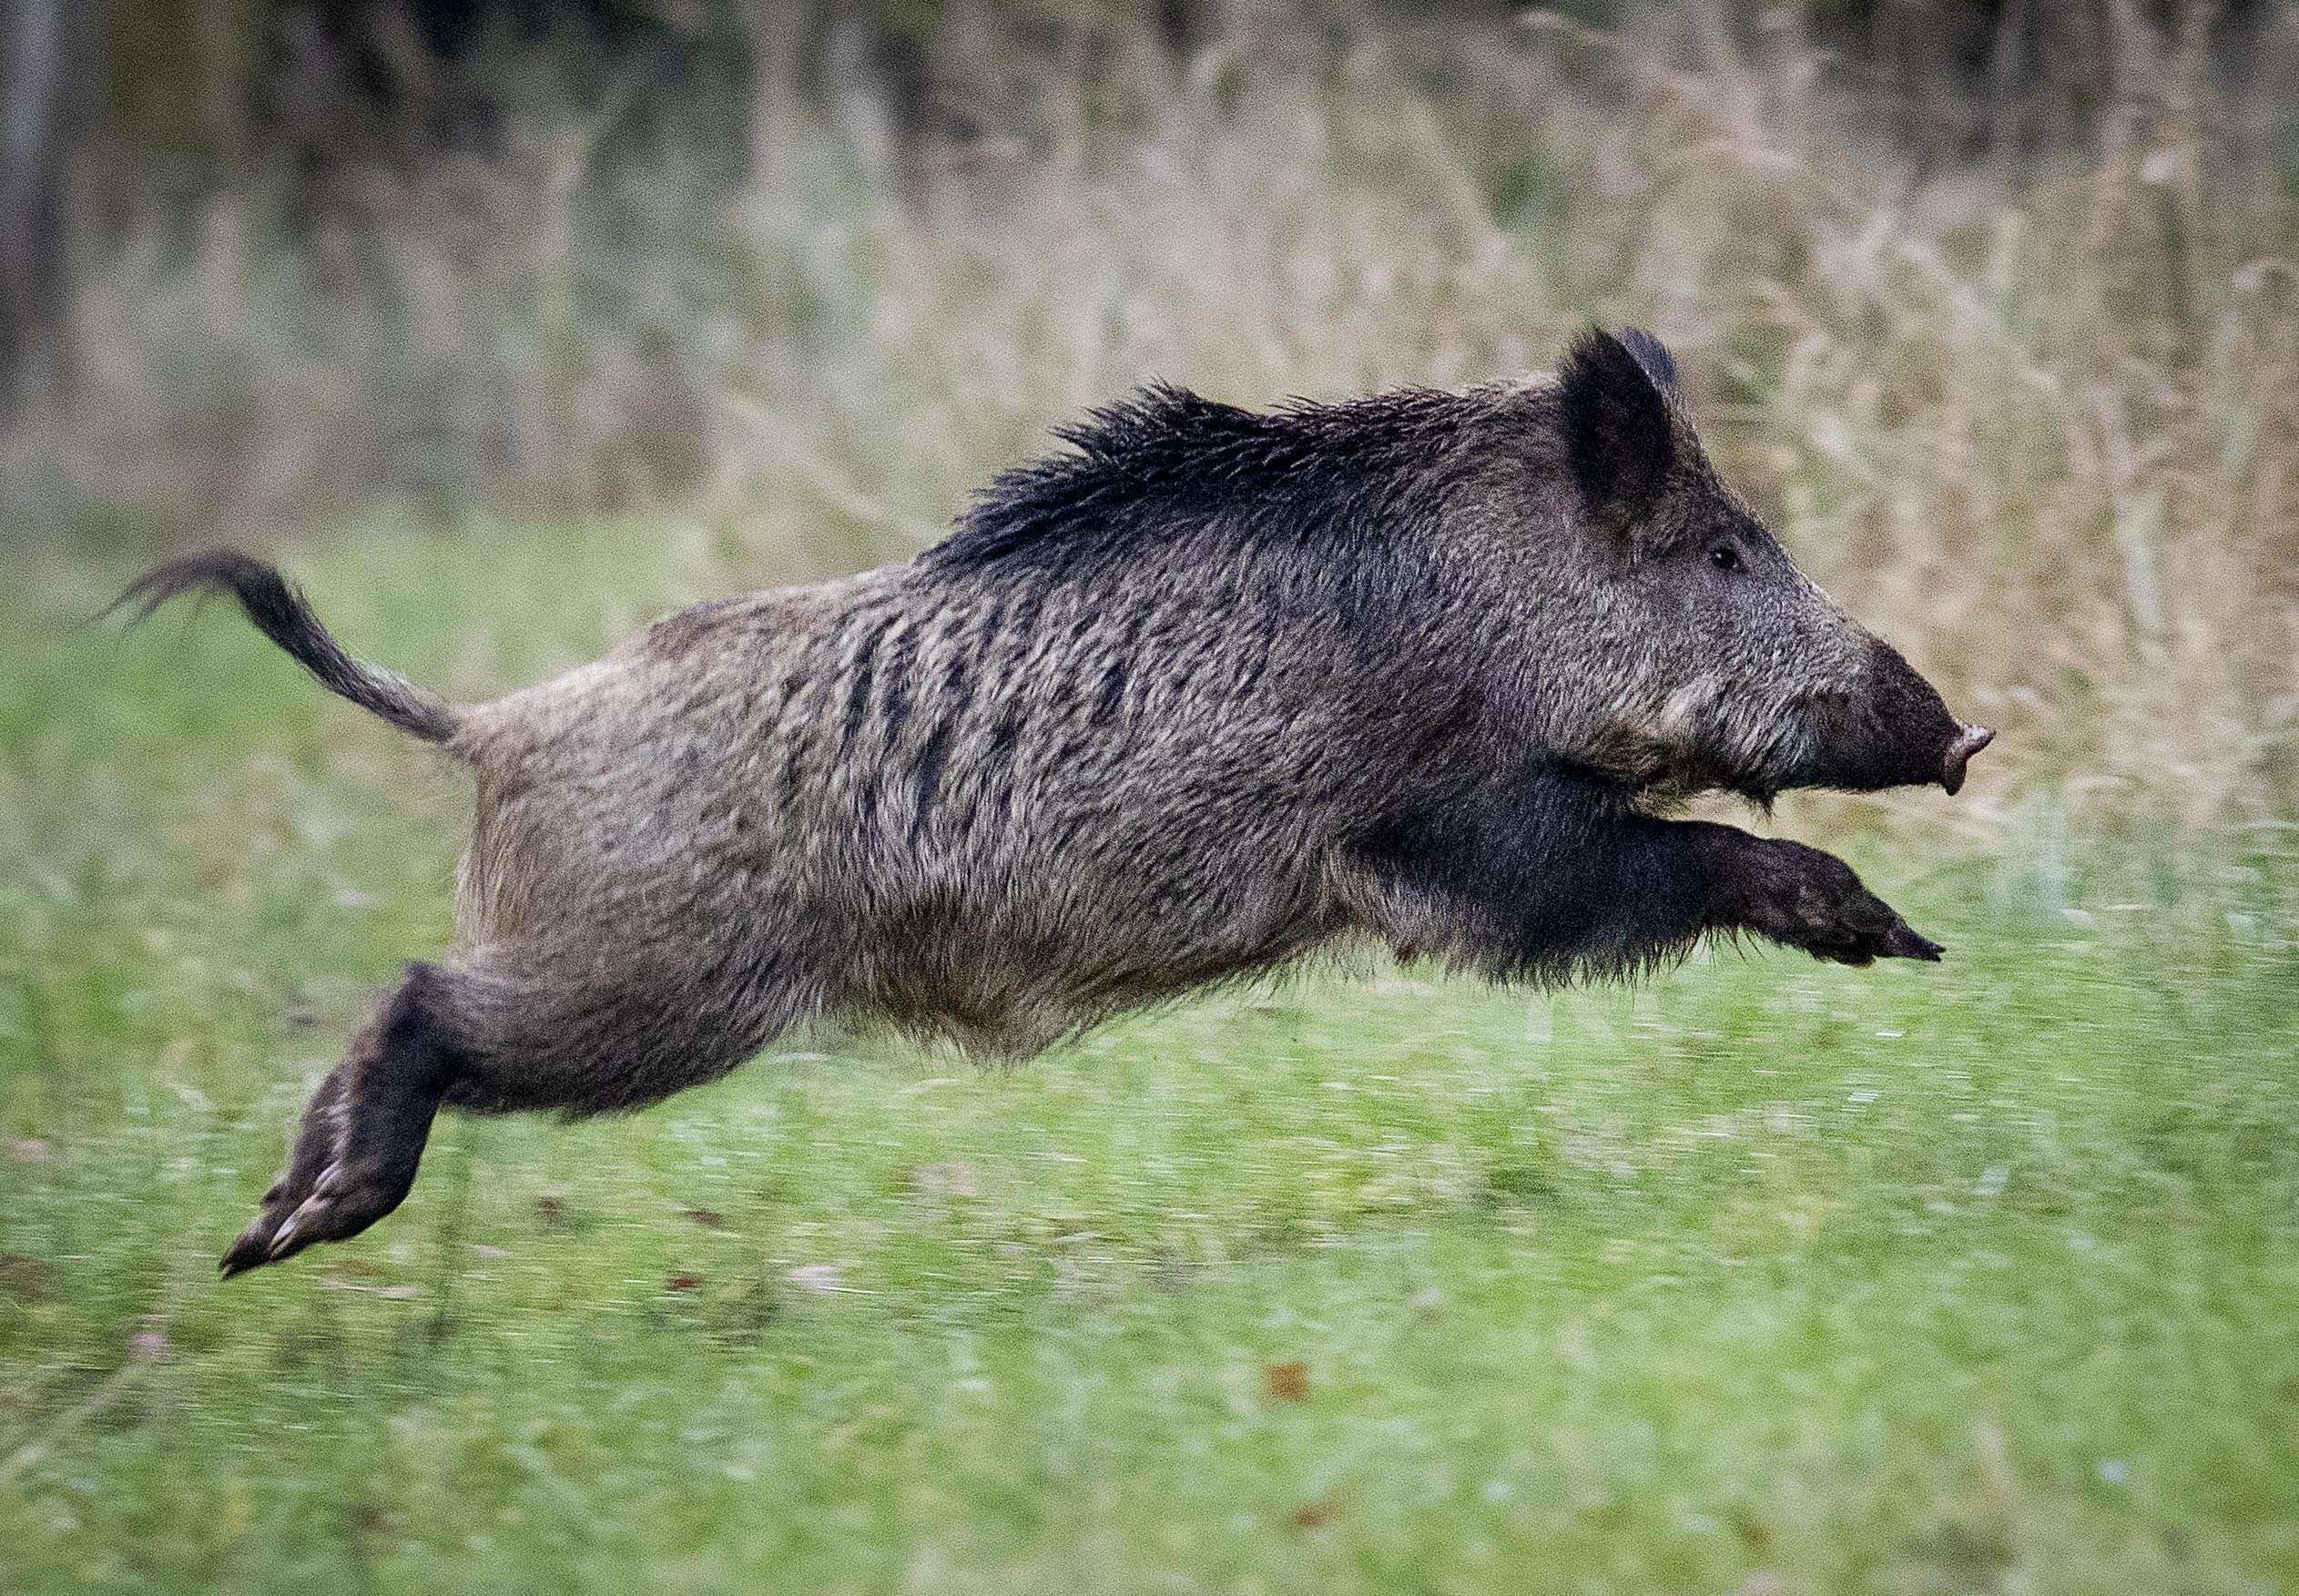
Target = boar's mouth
(1892,730)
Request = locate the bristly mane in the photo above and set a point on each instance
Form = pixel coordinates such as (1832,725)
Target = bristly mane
(1166,460)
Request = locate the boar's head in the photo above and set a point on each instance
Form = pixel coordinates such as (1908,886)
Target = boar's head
(1671,640)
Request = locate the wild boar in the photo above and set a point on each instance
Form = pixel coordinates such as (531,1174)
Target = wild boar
(1202,692)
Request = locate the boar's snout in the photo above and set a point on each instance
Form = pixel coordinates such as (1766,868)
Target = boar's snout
(1915,740)
(1891,729)
(1967,742)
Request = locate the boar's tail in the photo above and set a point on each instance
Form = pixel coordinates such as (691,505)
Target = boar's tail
(281,614)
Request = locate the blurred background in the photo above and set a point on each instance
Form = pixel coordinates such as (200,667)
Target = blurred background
(505,326)
(1993,305)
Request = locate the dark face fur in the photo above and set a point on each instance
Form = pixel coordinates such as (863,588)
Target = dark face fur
(1714,662)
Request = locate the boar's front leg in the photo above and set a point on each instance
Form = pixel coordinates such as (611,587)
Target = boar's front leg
(1805,898)
(1550,873)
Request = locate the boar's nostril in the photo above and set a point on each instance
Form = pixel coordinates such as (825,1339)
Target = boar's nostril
(1967,742)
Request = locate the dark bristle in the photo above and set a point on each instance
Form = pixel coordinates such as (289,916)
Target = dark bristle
(1166,462)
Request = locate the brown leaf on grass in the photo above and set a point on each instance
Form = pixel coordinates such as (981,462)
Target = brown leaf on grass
(369,1520)
(685,1283)
(1315,1515)
(551,1209)
(1286,1382)
(708,1218)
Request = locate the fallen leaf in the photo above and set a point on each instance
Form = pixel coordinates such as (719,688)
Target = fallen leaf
(1286,1382)
(685,1283)
(1315,1515)
(708,1218)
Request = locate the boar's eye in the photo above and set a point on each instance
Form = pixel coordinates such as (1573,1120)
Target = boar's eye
(1725,557)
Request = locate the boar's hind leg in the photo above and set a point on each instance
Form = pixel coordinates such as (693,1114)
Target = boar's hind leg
(605,1046)
(363,1132)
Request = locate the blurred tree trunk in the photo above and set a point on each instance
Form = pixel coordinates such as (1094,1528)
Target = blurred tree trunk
(776,35)
(1187,28)
(905,68)
(2007,74)
(39,61)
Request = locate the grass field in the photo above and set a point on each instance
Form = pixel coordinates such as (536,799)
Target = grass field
(1771,1278)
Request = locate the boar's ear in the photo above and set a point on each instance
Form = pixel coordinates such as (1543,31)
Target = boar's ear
(1616,424)
(1651,355)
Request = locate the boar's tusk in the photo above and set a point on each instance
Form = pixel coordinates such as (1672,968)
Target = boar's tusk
(1969,741)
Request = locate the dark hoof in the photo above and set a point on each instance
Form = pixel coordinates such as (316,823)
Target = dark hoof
(1812,901)
(346,1200)
(253,1249)
(1860,941)
(1904,941)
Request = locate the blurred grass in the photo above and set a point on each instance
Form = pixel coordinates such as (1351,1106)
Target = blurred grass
(1771,1277)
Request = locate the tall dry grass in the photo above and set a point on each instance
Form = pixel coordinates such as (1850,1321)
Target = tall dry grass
(2036,415)
(2042,425)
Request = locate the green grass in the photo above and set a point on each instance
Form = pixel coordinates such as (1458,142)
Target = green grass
(1773,1278)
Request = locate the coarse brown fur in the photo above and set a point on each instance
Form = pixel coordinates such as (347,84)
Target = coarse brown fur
(1209,690)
